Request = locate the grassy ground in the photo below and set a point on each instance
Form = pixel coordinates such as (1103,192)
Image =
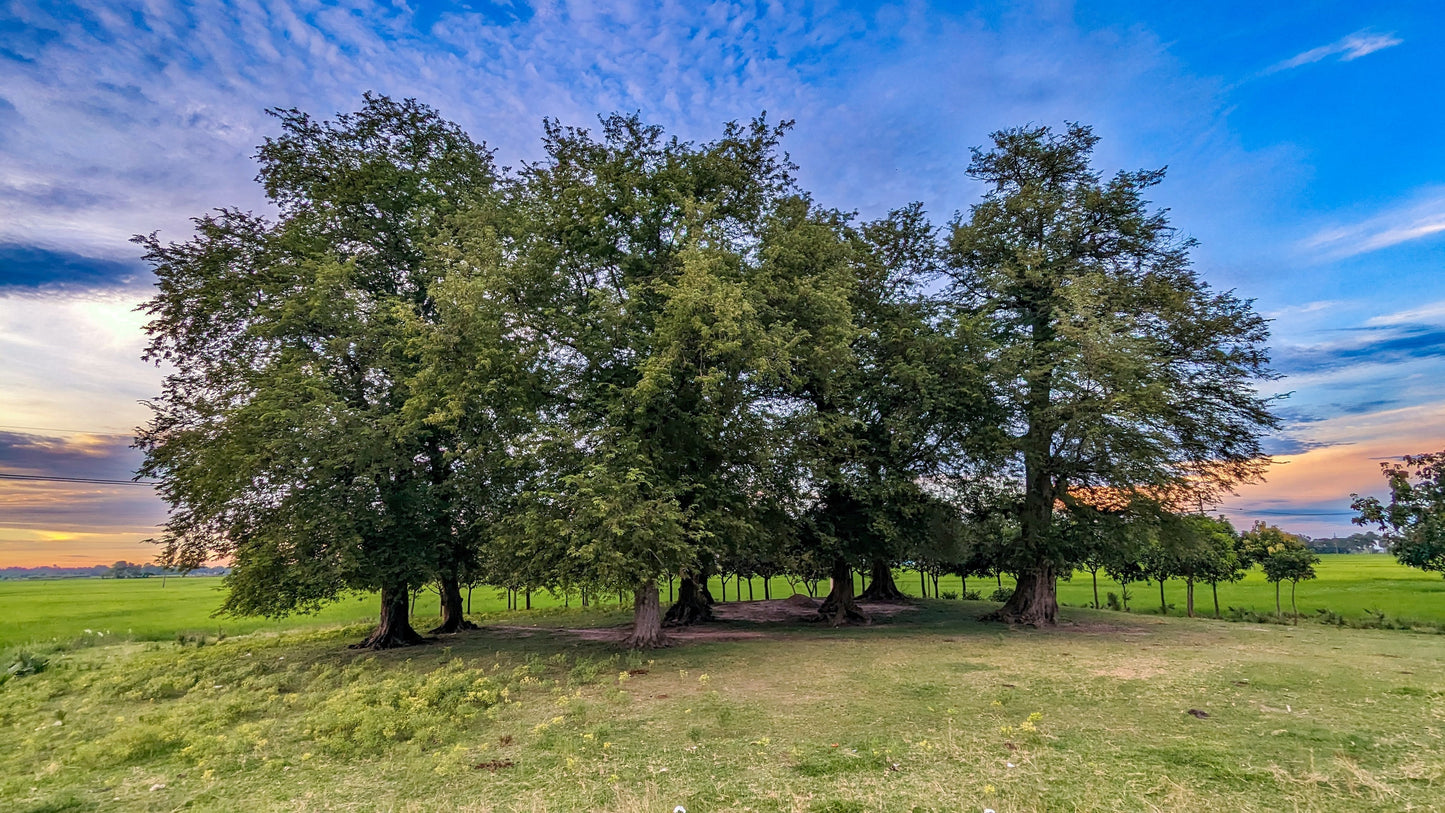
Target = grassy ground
(149,610)
(929,711)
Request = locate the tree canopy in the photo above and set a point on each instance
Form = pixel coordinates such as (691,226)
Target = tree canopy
(642,358)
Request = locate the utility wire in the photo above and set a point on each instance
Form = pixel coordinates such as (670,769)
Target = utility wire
(36,477)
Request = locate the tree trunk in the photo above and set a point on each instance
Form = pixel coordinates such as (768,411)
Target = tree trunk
(691,607)
(1189,597)
(839,607)
(881,586)
(646,619)
(923,582)
(1035,600)
(584,598)
(469,599)
(1293,608)
(935,586)
(529,598)
(669,589)
(1096,589)
(453,617)
(1163,605)
(393,630)
(1277,610)
(1215,587)
(767,588)
(750,588)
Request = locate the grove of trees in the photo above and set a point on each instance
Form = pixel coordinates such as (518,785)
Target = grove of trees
(642,361)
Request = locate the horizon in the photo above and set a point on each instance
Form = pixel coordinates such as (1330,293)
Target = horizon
(1299,141)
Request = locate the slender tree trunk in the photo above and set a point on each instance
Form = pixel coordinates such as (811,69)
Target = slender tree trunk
(690,607)
(1189,597)
(965,586)
(1095,574)
(999,578)
(529,598)
(923,582)
(469,599)
(881,586)
(1214,586)
(767,588)
(1293,608)
(750,588)
(393,630)
(1163,605)
(646,618)
(935,585)
(584,598)
(453,618)
(669,588)
(839,607)
(1277,610)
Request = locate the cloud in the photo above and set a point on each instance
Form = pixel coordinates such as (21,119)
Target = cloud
(26,267)
(1423,217)
(1350,48)
(118,120)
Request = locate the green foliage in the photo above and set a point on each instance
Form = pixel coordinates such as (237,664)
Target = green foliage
(1414,519)
(282,436)
(1119,370)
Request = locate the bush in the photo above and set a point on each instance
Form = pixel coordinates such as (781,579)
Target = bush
(1112,602)
(1001,595)
(972,595)
(950,595)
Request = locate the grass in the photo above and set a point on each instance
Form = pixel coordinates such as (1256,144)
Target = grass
(930,711)
(149,610)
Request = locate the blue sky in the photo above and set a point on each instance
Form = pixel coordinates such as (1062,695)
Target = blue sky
(1302,141)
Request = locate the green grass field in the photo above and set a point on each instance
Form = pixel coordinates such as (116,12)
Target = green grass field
(149,610)
(927,711)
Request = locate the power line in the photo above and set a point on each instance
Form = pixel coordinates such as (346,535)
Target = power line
(37,477)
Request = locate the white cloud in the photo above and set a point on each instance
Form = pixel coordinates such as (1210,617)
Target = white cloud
(1423,217)
(1350,48)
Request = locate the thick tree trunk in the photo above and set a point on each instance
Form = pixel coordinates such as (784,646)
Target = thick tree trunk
(1035,600)
(393,630)
(453,617)
(767,588)
(646,619)
(881,586)
(839,607)
(691,607)
(1189,597)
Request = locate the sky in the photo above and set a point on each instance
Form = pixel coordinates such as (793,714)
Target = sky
(1302,140)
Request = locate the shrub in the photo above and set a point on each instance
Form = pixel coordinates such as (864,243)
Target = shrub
(1001,595)
(972,595)
(1112,602)
(951,595)
(24,663)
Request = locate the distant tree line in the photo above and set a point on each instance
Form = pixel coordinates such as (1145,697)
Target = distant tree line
(642,361)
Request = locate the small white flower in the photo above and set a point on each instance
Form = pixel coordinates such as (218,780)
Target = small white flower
(679,809)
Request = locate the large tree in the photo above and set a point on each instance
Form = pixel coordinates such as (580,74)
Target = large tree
(282,436)
(1414,519)
(676,287)
(1118,367)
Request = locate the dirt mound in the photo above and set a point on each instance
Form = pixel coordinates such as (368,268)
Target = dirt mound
(802,601)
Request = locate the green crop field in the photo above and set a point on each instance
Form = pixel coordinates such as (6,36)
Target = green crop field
(150,610)
(928,710)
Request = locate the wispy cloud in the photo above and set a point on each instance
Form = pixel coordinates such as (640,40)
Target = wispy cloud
(1420,218)
(1352,47)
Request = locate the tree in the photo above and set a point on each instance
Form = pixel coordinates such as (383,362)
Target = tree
(1292,564)
(1414,520)
(676,288)
(281,436)
(1224,560)
(1116,366)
